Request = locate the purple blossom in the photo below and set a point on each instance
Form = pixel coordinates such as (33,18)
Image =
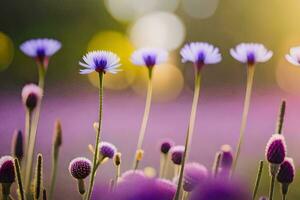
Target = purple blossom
(80,167)
(200,53)
(7,170)
(276,149)
(286,172)
(100,61)
(31,95)
(107,150)
(251,53)
(166,145)
(194,175)
(149,57)
(177,154)
(41,48)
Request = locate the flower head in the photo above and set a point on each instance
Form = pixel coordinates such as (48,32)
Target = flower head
(177,154)
(31,95)
(166,145)
(294,56)
(276,149)
(194,174)
(133,174)
(7,170)
(107,150)
(149,57)
(41,48)
(226,157)
(100,61)
(287,171)
(80,167)
(200,53)
(251,53)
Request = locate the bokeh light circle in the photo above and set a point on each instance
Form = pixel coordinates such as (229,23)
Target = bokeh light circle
(128,10)
(119,44)
(168,82)
(158,29)
(6,51)
(200,8)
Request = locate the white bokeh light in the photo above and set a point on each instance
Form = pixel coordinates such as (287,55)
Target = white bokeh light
(158,29)
(128,10)
(200,8)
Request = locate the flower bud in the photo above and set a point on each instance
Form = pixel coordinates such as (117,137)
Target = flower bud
(194,174)
(226,157)
(177,154)
(165,146)
(7,170)
(17,145)
(80,168)
(31,96)
(107,150)
(276,149)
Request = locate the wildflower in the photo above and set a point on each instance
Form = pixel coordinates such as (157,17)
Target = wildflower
(40,49)
(107,150)
(149,57)
(80,168)
(31,96)
(200,53)
(100,61)
(7,171)
(165,146)
(276,149)
(286,175)
(251,53)
(132,174)
(194,174)
(294,56)
(177,154)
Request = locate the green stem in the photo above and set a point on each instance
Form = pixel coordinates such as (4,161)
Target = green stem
(163,163)
(189,131)
(95,159)
(28,121)
(250,75)
(283,197)
(258,177)
(145,117)
(53,176)
(33,132)
(272,184)
(281,117)
(19,179)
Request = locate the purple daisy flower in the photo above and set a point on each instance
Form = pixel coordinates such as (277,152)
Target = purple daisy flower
(31,95)
(177,154)
(166,145)
(294,56)
(41,48)
(80,167)
(149,57)
(7,169)
(194,174)
(100,61)
(251,53)
(200,53)
(107,150)
(220,189)
(276,149)
(286,172)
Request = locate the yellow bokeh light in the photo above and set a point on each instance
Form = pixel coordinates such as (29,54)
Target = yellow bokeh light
(119,44)
(6,51)
(168,82)
(150,172)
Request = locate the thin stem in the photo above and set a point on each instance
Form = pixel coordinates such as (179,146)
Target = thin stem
(216,164)
(258,177)
(190,131)
(95,159)
(163,163)
(28,121)
(250,75)
(281,117)
(33,132)
(19,179)
(53,176)
(146,112)
(283,196)
(272,184)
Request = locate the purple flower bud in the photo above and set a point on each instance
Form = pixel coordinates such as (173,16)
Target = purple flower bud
(166,145)
(80,167)
(194,174)
(286,172)
(167,187)
(276,149)
(132,174)
(17,145)
(7,170)
(226,157)
(107,150)
(177,154)
(31,95)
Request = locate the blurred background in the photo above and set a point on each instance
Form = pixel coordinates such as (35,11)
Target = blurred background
(124,25)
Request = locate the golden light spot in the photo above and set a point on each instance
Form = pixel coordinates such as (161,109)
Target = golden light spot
(119,44)
(6,51)
(150,172)
(167,82)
